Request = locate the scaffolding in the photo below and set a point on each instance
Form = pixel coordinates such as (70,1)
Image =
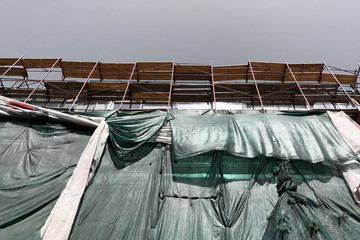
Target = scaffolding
(84,86)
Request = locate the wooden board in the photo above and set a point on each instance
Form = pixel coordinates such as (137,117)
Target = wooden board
(342,78)
(154,70)
(108,86)
(79,69)
(226,73)
(192,72)
(117,70)
(15,71)
(65,89)
(9,61)
(40,63)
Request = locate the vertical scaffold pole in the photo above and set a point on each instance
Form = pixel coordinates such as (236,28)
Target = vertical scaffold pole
(87,79)
(43,79)
(357,76)
(213,85)
(256,86)
(128,84)
(171,85)
(298,85)
(338,82)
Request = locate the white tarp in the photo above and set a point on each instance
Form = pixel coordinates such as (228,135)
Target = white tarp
(60,221)
(350,132)
(11,107)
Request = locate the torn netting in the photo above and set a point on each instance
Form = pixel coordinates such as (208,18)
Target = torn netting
(297,216)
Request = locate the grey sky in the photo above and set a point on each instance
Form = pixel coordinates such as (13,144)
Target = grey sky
(228,32)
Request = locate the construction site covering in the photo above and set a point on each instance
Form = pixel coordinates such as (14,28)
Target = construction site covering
(178,174)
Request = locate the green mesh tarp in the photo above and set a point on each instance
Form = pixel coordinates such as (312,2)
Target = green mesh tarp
(216,182)
(310,137)
(296,216)
(119,204)
(129,130)
(211,196)
(219,179)
(36,160)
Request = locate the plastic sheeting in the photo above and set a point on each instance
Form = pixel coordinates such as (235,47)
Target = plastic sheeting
(296,216)
(348,129)
(129,130)
(59,223)
(311,137)
(37,158)
(13,108)
(148,199)
(216,182)
(210,196)
(119,203)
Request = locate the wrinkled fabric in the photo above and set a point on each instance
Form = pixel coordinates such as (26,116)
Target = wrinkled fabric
(129,130)
(296,216)
(216,180)
(60,221)
(210,196)
(120,204)
(309,137)
(220,198)
(36,158)
(237,194)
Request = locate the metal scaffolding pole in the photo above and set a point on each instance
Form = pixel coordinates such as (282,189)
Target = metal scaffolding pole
(87,79)
(128,84)
(357,76)
(257,88)
(171,85)
(298,85)
(7,70)
(42,80)
(338,82)
(213,85)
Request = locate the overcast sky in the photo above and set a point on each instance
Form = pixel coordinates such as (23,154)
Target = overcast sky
(189,31)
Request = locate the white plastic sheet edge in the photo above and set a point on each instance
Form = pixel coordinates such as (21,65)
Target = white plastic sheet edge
(6,108)
(59,223)
(350,132)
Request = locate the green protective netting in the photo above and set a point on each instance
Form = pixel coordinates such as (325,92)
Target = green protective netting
(120,204)
(215,181)
(223,187)
(36,158)
(210,196)
(129,130)
(154,199)
(296,216)
(310,137)
(215,196)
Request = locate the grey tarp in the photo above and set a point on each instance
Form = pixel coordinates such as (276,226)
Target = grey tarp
(36,160)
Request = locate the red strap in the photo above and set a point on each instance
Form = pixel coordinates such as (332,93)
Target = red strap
(22,105)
